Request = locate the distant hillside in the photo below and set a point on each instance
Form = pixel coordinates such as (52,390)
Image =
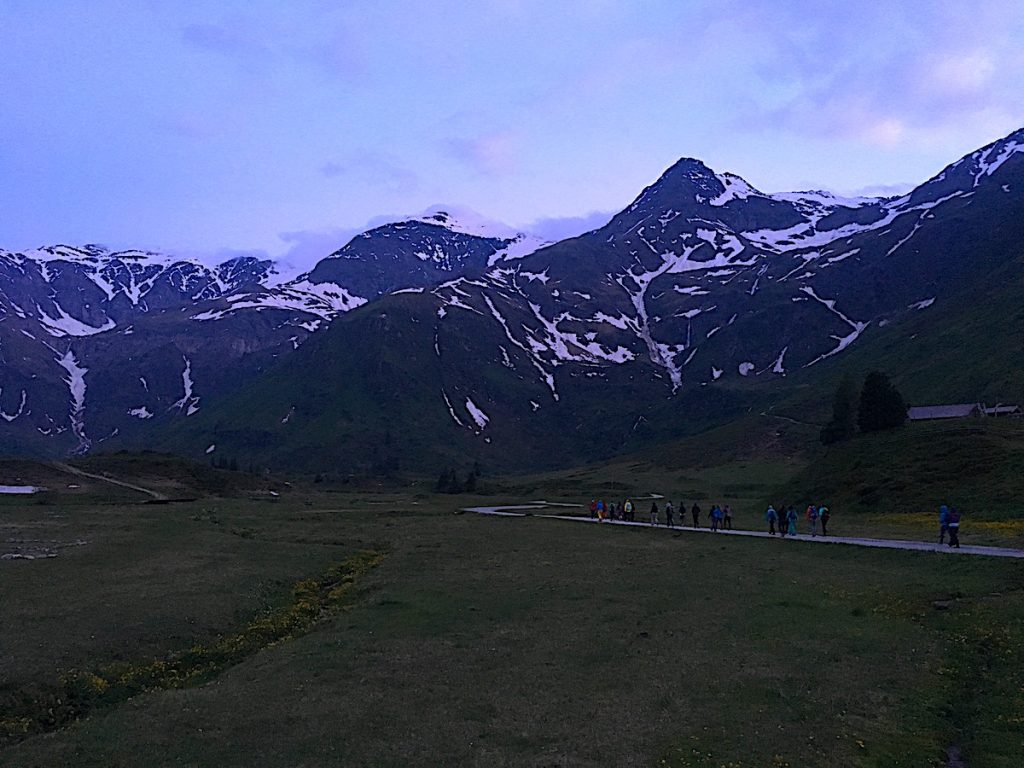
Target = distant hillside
(977,464)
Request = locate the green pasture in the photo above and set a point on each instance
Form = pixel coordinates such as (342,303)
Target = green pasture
(486,641)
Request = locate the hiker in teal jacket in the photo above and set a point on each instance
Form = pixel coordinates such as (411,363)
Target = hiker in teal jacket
(791,518)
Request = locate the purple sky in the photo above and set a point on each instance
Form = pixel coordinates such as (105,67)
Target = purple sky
(205,128)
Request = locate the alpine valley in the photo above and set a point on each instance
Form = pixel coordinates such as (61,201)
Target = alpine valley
(432,340)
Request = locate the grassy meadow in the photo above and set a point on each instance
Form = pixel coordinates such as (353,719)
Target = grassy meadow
(232,629)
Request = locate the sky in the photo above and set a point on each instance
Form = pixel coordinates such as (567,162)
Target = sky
(213,129)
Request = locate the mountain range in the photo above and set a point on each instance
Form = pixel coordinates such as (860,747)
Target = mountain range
(432,340)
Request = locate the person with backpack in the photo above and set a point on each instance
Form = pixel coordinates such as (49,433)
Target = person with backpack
(627,509)
(812,519)
(593,508)
(600,510)
(716,517)
(824,516)
(727,517)
(695,514)
(953,526)
(654,513)
(943,522)
(791,517)
(669,512)
(771,517)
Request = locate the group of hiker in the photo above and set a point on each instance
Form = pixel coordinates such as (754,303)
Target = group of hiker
(785,518)
(719,517)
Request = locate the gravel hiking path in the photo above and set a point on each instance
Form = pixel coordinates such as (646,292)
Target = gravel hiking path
(82,473)
(536,509)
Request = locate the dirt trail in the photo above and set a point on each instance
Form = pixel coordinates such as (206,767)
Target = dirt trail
(535,509)
(82,473)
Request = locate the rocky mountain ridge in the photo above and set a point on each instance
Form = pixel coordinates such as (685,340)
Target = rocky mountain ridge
(703,281)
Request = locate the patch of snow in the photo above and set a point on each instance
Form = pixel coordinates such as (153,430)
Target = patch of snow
(843,341)
(450,409)
(668,216)
(922,304)
(465,221)
(619,322)
(76,387)
(546,377)
(325,300)
(778,367)
(541,277)
(505,359)
(735,189)
(140,413)
(716,373)
(479,416)
(821,197)
(563,344)
(211,448)
(9,417)
(188,402)
(842,256)
(66,325)
(19,489)
(987,167)
(519,247)
(745,368)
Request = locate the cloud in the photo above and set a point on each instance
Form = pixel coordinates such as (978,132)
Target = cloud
(373,168)
(560,228)
(879,73)
(491,154)
(233,41)
(880,190)
(307,247)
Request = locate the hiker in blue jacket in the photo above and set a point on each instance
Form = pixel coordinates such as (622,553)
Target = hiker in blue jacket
(943,522)
(771,517)
(953,526)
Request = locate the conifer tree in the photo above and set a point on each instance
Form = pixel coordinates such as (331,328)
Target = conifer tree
(844,413)
(881,405)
